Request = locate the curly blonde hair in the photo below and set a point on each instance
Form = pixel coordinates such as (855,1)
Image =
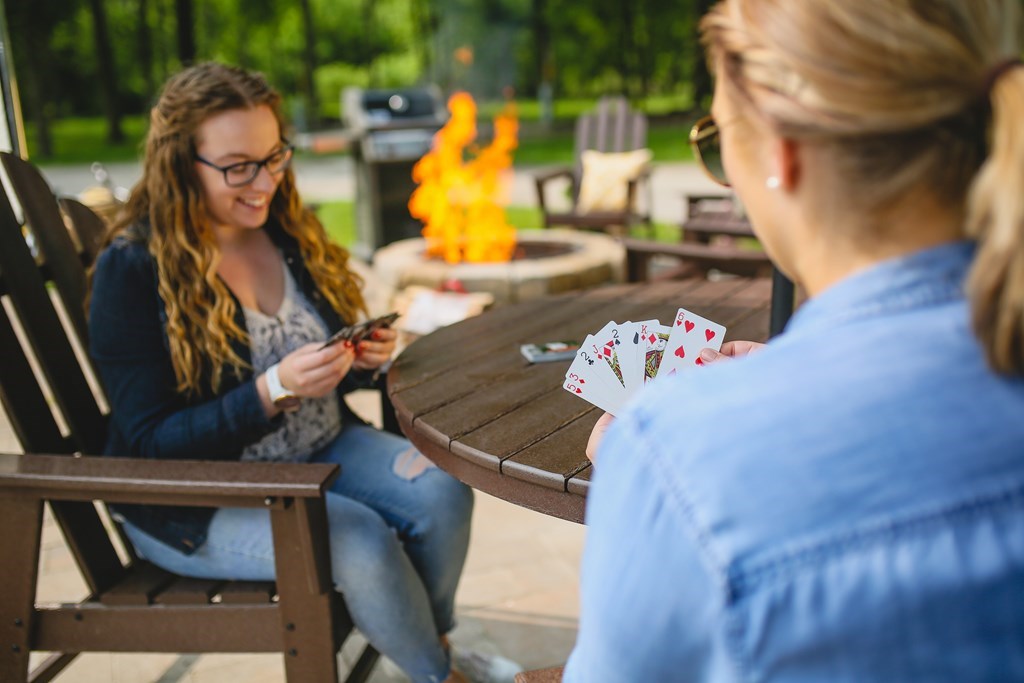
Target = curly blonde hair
(910,95)
(168,201)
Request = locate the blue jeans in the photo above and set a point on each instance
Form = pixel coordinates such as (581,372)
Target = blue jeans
(399,531)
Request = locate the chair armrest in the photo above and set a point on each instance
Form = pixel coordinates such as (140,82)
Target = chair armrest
(541,178)
(544,175)
(746,262)
(162,482)
(694,251)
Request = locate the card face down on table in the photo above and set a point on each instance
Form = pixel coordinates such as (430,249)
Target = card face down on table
(549,351)
(359,331)
(616,362)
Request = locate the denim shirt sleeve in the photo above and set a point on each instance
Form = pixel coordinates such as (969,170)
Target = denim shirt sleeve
(129,347)
(649,600)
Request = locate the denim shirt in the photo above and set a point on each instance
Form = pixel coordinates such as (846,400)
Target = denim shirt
(149,418)
(845,505)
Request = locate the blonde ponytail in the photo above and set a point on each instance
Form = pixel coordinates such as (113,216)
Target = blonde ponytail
(996,222)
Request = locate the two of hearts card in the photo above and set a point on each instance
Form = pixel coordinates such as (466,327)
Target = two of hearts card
(616,362)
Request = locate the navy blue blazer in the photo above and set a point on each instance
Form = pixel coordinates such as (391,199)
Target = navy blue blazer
(149,417)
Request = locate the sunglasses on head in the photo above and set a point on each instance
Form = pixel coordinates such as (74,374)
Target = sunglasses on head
(707,148)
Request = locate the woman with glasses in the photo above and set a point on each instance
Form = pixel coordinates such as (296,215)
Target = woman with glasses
(847,502)
(209,310)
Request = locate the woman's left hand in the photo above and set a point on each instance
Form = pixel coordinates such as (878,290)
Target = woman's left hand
(597,435)
(375,350)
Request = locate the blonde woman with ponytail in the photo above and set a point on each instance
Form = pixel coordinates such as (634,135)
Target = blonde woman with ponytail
(208,313)
(845,503)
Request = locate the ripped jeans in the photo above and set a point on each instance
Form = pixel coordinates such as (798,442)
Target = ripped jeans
(399,531)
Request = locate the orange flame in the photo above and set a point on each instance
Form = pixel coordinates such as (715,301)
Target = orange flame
(457,200)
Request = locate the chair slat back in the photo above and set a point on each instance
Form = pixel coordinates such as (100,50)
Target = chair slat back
(43,218)
(23,400)
(612,127)
(89,228)
(24,396)
(27,288)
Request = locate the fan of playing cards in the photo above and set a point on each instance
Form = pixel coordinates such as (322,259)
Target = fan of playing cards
(615,363)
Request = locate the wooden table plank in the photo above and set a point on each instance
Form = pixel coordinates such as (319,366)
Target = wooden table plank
(555,458)
(500,439)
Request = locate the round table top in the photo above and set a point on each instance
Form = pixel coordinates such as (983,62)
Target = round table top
(468,399)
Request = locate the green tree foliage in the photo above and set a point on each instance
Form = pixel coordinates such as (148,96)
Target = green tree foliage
(310,49)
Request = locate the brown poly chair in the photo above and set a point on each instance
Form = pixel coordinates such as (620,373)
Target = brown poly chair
(612,127)
(715,239)
(132,605)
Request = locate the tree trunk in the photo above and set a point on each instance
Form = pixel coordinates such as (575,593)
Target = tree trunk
(703,89)
(541,31)
(184,13)
(144,46)
(642,45)
(424,22)
(29,29)
(108,72)
(35,85)
(309,64)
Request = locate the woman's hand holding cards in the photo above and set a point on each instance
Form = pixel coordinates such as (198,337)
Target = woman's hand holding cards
(374,351)
(733,349)
(311,371)
(616,362)
(597,435)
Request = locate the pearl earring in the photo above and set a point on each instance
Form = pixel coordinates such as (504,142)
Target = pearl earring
(773,182)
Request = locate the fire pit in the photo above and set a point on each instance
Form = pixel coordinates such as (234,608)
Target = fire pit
(468,238)
(543,263)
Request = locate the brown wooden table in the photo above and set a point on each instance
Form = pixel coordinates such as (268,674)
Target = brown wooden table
(466,397)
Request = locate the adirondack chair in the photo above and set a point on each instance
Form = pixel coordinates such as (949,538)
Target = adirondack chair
(711,234)
(612,127)
(710,239)
(132,605)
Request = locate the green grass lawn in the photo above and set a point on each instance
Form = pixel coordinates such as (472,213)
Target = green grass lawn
(83,140)
(339,221)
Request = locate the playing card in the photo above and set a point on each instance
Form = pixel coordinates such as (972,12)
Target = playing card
(591,378)
(592,394)
(631,356)
(357,332)
(690,334)
(612,345)
(589,367)
(654,336)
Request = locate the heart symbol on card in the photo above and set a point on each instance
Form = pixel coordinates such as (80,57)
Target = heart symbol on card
(709,334)
(698,362)
(579,391)
(688,325)
(680,352)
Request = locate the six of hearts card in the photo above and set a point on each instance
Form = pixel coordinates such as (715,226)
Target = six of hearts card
(614,363)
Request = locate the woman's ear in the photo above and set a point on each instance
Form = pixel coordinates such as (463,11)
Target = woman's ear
(786,163)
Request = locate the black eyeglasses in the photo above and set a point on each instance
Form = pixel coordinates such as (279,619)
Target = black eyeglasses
(707,147)
(244,172)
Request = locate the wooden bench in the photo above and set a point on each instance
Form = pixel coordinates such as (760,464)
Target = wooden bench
(132,606)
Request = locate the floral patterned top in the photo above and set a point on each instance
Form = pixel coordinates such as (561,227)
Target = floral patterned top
(271,338)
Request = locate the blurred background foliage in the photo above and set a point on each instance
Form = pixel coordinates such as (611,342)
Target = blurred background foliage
(88,70)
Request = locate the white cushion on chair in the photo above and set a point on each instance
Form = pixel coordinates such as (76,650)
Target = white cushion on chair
(605,178)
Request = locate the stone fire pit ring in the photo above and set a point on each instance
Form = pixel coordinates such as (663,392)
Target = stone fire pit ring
(548,262)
